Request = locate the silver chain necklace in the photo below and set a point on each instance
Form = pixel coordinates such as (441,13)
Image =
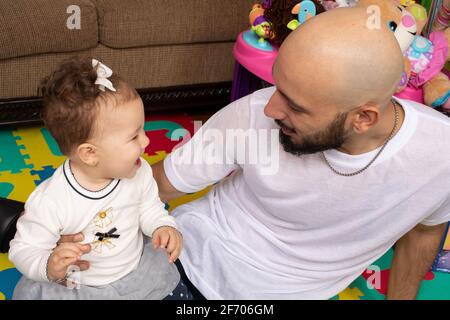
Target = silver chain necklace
(376,156)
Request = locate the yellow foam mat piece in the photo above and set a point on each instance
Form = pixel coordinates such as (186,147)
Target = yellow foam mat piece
(447,242)
(160,155)
(351,294)
(4,262)
(188,198)
(23,183)
(36,148)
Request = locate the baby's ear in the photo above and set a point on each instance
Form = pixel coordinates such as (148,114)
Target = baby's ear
(88,154)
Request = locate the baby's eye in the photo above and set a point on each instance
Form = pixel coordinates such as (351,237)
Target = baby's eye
(135,137)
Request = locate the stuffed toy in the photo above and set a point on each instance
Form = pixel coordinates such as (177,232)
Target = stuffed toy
(402,23)
(427,57)
(424,58)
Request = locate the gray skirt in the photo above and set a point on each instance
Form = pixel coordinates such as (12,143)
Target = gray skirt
(153,279)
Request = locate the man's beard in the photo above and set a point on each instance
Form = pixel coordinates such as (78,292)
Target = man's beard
(332,137)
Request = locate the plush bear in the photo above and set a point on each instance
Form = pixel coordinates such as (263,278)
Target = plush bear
(427,58)
(402,23)
(424,58)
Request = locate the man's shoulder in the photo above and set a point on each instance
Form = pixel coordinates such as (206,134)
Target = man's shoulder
(431,138)
(260,97)
(428,115)
(265,93)
(245,112)
(256,99)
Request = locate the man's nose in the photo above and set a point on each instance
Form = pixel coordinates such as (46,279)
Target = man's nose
(274,109)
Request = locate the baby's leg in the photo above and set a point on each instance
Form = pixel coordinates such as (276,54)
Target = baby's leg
(27,289)
(153,279)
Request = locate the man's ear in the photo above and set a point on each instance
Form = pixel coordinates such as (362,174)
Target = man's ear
(88,154)
(365,118)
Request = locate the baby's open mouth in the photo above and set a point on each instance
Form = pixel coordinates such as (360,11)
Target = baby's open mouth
(138,162)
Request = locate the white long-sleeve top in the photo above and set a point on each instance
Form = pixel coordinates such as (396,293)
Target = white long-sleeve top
(61,206)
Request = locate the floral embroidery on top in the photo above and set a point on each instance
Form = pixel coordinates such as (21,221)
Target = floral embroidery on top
(104,239)
(103,218)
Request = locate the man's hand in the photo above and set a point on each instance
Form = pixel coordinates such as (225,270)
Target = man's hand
(63,256)
(86,248)
(170,239)
(413,256)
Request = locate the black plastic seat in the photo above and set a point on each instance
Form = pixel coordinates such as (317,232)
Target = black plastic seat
(10,211)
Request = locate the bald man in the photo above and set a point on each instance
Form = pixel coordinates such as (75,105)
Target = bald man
(355,172)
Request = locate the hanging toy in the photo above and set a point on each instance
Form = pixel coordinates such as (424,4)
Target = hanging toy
(280,15)
(260,29)
(305,11)
(258,23)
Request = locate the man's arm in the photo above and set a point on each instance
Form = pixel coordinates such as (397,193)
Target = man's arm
(167,191)
(413,256)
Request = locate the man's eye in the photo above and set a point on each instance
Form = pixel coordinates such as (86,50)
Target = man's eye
(295,109)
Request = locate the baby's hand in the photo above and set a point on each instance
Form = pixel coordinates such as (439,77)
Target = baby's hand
(170,239)
(64,255)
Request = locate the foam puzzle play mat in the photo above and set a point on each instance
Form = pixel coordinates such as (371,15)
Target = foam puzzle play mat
(29,155)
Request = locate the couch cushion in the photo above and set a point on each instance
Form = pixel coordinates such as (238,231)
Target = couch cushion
(40,26)
(144,67)
(134,23)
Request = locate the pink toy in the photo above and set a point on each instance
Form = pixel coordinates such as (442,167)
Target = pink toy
(426,83)
(411,93)
(257,61)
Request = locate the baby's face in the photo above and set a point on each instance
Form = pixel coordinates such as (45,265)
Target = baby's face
(120,139)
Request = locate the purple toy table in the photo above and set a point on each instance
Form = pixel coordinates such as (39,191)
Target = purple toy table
(253,68)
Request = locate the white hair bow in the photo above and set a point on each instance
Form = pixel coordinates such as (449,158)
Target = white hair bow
(103,73)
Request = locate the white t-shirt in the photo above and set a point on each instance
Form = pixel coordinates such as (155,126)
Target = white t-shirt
(126,207)
(305,232)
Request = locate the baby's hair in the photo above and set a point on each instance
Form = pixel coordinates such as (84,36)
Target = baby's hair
(279,14)
(71,101)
